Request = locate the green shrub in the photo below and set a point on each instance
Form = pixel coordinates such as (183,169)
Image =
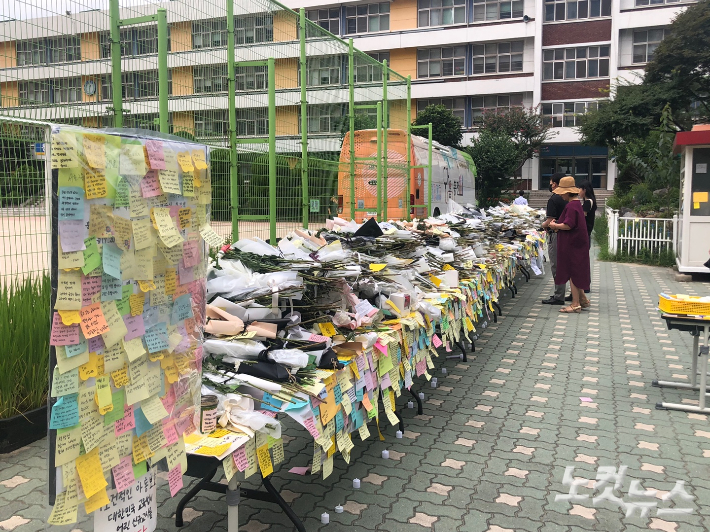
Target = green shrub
(24,334)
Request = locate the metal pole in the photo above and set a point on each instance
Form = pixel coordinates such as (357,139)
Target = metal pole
(116,95)
(304,120)
(231,95)
(379,161)
(409,177)
(164,114)
(429,162)
(385,126)
(351,113)
(233,500)
(272,150)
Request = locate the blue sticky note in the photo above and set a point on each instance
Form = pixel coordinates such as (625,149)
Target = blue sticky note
(314,409)
(339,423)
(323,394)
(71,203)
(156,338)
(142,424)
(359,393)
(268,398)
(65,412)
(299,403)
(112,260)
(111,289)
(151,316)
(338,394)
(78,349)
(356,417)
(182,309)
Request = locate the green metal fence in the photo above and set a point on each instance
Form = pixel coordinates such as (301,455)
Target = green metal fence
(273,90)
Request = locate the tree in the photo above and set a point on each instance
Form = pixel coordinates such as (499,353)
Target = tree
(362,121)
(496,156)
(682,60)
(445,125)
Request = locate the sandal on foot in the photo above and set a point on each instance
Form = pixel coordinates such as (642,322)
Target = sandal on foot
(571,310)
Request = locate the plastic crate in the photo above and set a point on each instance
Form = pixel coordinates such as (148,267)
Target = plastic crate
(690,306)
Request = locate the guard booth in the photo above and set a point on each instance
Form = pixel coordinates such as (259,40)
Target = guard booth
(692,241)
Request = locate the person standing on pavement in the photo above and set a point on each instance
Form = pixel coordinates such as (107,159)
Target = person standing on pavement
(555,206)
(589,206)
(520,200)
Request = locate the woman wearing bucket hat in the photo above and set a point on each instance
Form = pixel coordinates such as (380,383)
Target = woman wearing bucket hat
(572,246)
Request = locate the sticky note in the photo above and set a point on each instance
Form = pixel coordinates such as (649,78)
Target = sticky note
(123,232)
(213,239)
(103,393)
(132,160)
(111,260)
(166,227)
(62,513)
(66,363)
(156,338)
(696,205)
(190,253)
(143,233)
(188,185)
(185,218)
(150,187)
(96,501)
(124,305)
(156,157)
(185,161)
(169,181)
(377,267)
(65,412)
(327,329)
(92,257)
(71,203)
(65,383)
(123,474)
(69,260)
(93,322)
(126,423)
(153,409)
(95,150)
(700,197)
(110,288)
(69,291)
(182,309)
(68,446)
(64,150)
(136,302)
(175,480)
(72,234)
(62,334)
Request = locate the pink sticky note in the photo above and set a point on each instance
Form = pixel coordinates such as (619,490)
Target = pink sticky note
(126,423)
(190,253)
(182,425)
(169,399)
(123,473)
(240,459)
(187,275)
(268,413)
(156,157)
(72,234)
(448,347)
(436,341)
(169,432)
(175,479)
(135,326)
(385,381)
(63,334)
(370,361)
(586,399)
(310,424)
(381,348)
(318,338)
(150,187)
(300,470)
(90,286)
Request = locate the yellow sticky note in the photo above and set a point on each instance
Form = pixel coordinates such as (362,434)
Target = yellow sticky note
(68,446)
(377,267)
(70,317)
(120,377)
(90,472)
(188,185)
(95,181)
(62,513)
(143,233)
(198,156)
(170,281)
(146,286)
(169,181)
(166,227)
(327,329)
(696,205)
(700,197)
(96,501)
(185,161)
(264,457)
(69,291)
(448,267)
(103,394)
(435,280)
(91,368)
(153,409)
(136,301)
(95,150)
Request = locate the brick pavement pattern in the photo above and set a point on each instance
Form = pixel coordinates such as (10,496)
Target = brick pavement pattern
(543,392)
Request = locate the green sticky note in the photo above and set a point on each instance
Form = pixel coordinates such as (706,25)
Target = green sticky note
(92,257)
(124,305)
(140,469)
(122,193)
(384,365)
(70,177)
(118,398)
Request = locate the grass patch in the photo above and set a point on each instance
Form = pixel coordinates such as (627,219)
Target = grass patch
(24,336)
(664,259)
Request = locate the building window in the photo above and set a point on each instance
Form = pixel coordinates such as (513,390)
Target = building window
(367,71)
(441,12)
(655,2)
(564,114)
(498,57)
(253,29)
(585,163)
(576,9)
(135,85)
(209,33)
(328,19)
(34,92)
(43,51)
(213,123)
(141,40)
(211,78)
(323,70)
(646,42)
(455,105)
(496,9)
(252,122)
(367,18)
(251,78)
(66,90)
(480,105)
(441,62)
(576,63)
(326,118)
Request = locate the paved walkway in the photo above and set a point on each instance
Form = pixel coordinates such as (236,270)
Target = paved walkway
(545,391)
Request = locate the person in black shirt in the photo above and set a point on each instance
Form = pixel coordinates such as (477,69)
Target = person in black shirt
(555,206)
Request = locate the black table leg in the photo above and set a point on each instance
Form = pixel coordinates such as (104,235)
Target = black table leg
(202,484)
(463,350)
(420,410)
(276,497)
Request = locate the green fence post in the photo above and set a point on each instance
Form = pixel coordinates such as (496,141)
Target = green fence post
(116,95)
(429,161)
(231,95)
(385,127)
(351,113)
(164,114)
(409,176)
(304,119)
(379,161)
(272,150)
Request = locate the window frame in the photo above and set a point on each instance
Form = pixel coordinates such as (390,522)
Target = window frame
(504,49)
(252,122)
(566,113)
(334,70)
(516,10)
(558,65)
(458,8)
(212,75)
(259,73)
(457,60)
(335,120)
(213,117)
(559,10)
(645,43)
(449,103)
(478,111)
(209,27)
(367,18)
(645,3)
(261,24)
(327,18)
(35,87)
(372,72)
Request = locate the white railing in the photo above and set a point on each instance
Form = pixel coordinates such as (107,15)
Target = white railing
(632,235)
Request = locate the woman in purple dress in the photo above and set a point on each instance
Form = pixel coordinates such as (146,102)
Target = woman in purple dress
(572,246)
